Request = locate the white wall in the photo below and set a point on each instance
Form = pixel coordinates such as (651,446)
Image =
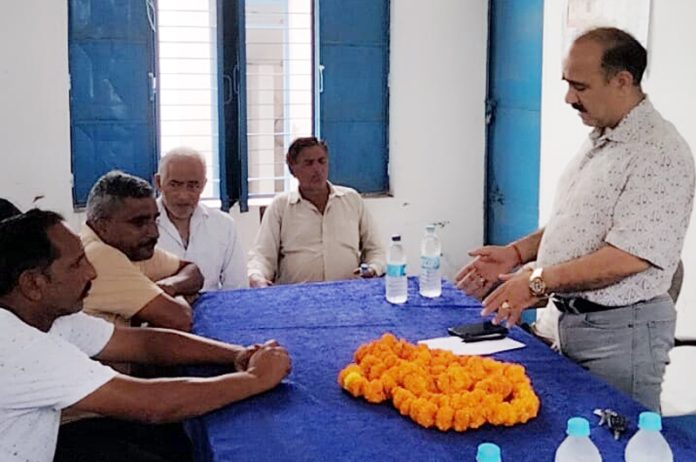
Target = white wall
(438,67)
(34,122)
(669,82)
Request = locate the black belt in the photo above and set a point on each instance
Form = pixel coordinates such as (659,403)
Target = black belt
(576,305)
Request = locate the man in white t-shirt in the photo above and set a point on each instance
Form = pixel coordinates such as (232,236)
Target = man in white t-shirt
(192,231)
(46,345)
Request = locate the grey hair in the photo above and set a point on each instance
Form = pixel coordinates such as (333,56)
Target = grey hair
(178,153)
(111,189)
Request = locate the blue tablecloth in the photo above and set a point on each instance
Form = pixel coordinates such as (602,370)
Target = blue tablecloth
(308,417)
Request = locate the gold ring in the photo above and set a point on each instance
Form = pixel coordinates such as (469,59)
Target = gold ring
(505,306)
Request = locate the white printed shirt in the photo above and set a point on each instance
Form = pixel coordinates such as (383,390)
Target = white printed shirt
(42,373)
(633,188)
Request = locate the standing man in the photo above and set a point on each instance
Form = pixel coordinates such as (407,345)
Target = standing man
(46,348)
(320,232)
(192,231)
(613,241)
(135,282)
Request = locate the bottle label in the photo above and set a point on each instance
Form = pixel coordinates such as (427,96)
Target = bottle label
(430,263)
(396,270)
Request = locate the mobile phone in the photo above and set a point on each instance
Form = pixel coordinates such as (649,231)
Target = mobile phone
(478,331)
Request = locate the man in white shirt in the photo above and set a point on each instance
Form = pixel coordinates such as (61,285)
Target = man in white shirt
(613,241)
(192,231)
(46,345)
(320,232)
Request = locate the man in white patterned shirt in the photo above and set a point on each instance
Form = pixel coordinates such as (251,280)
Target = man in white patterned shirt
(320,232)
(614,238)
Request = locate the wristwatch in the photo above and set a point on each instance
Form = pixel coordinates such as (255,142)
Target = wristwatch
(537,286)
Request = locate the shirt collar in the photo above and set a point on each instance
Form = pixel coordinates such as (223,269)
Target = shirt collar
(295,196)
(629,127)
(88,235)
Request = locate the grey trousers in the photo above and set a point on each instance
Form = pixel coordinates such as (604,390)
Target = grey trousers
(627,347)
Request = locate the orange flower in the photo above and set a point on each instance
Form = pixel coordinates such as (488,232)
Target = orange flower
(438,388)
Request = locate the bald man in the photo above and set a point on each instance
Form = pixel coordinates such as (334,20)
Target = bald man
(192,231)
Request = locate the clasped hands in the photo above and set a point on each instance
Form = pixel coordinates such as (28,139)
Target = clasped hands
(268,360)
(493,266)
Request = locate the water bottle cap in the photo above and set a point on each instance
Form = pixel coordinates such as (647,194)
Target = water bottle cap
(650,421)
(430,227)
(396,238)
(488,452)
(578,426)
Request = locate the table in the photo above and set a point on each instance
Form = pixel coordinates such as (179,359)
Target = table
(308,416)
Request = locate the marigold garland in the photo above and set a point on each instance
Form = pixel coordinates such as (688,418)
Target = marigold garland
(438,388)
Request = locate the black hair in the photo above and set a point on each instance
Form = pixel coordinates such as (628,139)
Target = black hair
(25,245)
(301,143)
(622,52)
(7,209)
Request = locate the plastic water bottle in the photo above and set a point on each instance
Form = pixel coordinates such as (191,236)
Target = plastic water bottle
(429,281)
(488,452)
(578,447)
(396,284)
(648,444)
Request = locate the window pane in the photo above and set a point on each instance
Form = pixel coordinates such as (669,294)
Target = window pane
(188,82)
(279,72)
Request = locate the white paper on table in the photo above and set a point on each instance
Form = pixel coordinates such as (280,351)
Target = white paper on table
(485,347)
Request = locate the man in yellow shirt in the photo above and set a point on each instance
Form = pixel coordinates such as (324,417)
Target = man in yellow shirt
(135,282)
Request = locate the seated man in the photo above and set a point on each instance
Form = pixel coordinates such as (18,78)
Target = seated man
(319,232)
(135,282)
(192,231)
(45,364)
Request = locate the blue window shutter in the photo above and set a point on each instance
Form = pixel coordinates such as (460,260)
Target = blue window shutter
(354,96)
(232,100)
(112,101)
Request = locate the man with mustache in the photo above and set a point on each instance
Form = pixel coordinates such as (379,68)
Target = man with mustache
(46,365)
(136,283)
(319,232)
(616,231)
(192,231)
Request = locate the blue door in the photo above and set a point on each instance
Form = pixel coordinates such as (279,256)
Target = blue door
(513,117)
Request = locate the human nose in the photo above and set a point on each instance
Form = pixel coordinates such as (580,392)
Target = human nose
(571,97)
(90,272)
(152,230)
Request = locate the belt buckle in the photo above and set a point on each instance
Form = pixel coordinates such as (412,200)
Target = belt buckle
(573,308)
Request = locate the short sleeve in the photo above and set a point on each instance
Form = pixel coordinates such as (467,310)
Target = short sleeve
(162,264)
(653,210)
(87,333)
(49,372)
(120,288)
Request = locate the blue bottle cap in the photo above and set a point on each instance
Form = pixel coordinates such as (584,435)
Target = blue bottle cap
(578,426)
(488,452)
(650,421)
(396,237)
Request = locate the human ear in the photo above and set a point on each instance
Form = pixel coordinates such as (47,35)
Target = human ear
(31,284)
(624,80)
(101,226)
